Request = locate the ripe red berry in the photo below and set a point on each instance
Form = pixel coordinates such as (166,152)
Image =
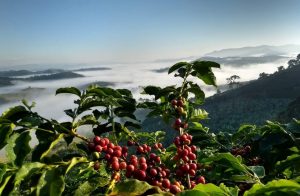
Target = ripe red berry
(184,152)
(177,141)
(178,122)
(113,159)
(98,148)
(193,166)
(102,142)
(179,173)
(106,141)
(152,156)
(192,172)
(148,149)
(142,160)
(107,157)
(185,159)
(160,145)
(133,157)
(157,159)
(111,145)
(130,143)
(192,156)
(97,139)
(200,179)
(180,103)
(153,172)
(134,162)
(110,151)
(117,153)
(166,183)
(130,168)
(140,174)
(155,146)
(174,102)
(193,148)
(140,149)
(124,149)
(123,165)
(174,189)
(115,165)
(185,168)
(143,166)
(118,148)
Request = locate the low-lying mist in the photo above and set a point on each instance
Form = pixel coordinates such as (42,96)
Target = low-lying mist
(132,77)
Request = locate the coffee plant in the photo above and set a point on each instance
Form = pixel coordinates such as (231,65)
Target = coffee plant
(103,150)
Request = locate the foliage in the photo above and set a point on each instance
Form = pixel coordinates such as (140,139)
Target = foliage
(255,160)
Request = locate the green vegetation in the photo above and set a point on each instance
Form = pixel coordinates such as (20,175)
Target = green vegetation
(255,160)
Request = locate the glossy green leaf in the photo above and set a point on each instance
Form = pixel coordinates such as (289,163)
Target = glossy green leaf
(69,90)
(275,188)
(51,183)
(177,66)
(6,129)
(258,170)
(27,170)
(18,147)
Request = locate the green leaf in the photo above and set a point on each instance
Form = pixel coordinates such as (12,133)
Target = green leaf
(70,90)
(151,90)
(133,187)
(26,171)
(206,64)
(75,161)
(4,182)
(198,114)
(199,94)
(211,189)
(85,188)
(258,170)
(274,188)
(15,113)
(51,183)
(18,147)
(3,168)
(86,120)
(52,144)
(204,72)
(193,193)
(6,129)
(177,66)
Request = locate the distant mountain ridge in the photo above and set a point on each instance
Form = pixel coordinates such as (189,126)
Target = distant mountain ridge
(256,51)
(260,100)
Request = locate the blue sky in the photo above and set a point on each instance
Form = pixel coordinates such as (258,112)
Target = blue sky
(95,31)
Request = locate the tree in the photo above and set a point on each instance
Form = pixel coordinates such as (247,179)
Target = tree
(263,75)
(232,81)
(280,68)
(294,62)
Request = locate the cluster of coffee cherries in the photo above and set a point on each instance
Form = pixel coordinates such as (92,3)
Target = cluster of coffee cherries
(144,166)
(186,159)
(242,151)
(179,105)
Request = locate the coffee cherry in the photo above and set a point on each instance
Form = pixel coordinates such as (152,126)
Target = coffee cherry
(140,149)
(152,156)
(96,165)
(110,151)
(140,174)
(179,173)
(166,183)
(174,102)
(102,142)
(180,103)
(160,145)
(111,145)
(192,156)
(247,148)
(153,172)
(98,148)
(130,168)
(193,166)
(193,148)
(174,189)
(157,159)
(185,168)
(115,165)
(178,122)
(124,149)
(192,172)
(142,160)
(155,146)
(117,153)
(106,141)
(134,162)
(130,143)
(200,179)
(107,157)
(123,165)
(143,166)
(97,139)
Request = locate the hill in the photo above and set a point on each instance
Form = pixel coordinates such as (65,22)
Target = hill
(255,51)
(255,102)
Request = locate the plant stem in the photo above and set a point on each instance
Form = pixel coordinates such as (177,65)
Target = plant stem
(113,124)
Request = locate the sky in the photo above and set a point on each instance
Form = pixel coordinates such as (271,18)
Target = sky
(119,31)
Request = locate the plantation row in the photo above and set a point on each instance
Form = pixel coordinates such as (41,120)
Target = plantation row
(121,159)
